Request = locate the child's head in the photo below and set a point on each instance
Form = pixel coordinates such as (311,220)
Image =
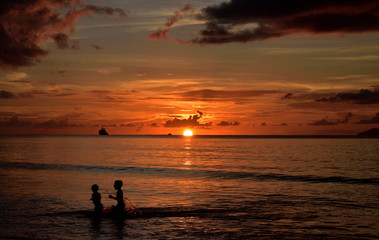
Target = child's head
(95,188)
(117,184)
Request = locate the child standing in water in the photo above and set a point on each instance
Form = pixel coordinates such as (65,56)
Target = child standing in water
(96,199)
(119,197)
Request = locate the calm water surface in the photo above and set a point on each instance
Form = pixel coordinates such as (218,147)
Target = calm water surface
(190,188)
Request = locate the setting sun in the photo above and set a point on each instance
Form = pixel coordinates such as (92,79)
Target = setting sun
(187,133)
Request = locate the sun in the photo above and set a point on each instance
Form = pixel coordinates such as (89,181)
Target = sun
(187,133)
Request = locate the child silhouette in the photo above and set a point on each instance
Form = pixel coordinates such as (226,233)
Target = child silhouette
(96,199)
(119,208)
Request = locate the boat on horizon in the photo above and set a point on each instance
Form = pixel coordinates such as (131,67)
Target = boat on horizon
(103,132)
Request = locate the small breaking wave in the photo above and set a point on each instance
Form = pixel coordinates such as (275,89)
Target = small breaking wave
(195,173)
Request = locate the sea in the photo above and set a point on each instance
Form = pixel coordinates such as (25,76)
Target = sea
(200,187)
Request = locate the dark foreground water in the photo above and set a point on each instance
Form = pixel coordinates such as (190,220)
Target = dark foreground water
(190,188)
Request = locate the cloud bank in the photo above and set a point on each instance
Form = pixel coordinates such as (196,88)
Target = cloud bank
(254,20)
(25,24)
(52,123)
(364,96)
(6,94)
(373,120)
(240,96)
(226,123)
(324,122)
(191,121)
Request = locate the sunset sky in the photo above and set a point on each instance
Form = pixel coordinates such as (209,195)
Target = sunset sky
(162,66)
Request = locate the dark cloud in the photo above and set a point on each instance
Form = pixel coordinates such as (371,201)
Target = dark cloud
(109,125)
(100,92)
(25,24)
(106,125)
(287,96)
(7,114)
(312,95)
(26,95)
(263,124)
(6,94)
(364,96)
(14,121)
(191,121)
(90,8)
(128,125)
(59,92)
(253,20)
(347,118)
(64,123)
(281,125)
(209,95)
(237,96)
(64,94)
(323,122)
(162,34)
(111,96)
(373,120)
(63,41)
(31,94)
(20,81)
(225,123)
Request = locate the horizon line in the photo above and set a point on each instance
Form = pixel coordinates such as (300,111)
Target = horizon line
(204,136)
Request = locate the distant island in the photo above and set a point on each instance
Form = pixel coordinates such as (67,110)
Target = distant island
(103,132)
(374,132)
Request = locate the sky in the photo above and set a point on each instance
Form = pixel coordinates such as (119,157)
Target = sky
(240,67)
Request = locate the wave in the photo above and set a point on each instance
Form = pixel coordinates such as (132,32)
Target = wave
(168,212)
(149,212)
(195,173)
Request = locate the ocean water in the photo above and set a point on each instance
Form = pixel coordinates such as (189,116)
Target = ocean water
(190,188)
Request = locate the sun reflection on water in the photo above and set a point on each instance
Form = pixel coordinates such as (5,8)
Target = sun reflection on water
(187,148)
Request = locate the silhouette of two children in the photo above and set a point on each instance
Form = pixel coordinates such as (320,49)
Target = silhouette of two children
(96,198)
